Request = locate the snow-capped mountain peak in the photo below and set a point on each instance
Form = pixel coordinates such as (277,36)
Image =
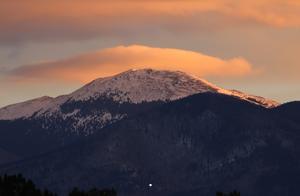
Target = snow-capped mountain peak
(133,86)
(144,85)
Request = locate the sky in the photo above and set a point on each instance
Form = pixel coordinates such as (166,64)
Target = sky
(53,47)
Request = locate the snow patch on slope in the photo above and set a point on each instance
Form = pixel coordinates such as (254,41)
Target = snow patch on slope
(25,109)
(268,103)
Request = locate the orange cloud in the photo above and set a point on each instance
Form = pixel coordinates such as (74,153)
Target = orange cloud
(82,19)
(110,61)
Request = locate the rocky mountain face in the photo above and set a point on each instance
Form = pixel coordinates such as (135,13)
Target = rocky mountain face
(192,146)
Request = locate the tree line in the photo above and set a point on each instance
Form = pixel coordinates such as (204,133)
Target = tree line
(17,185)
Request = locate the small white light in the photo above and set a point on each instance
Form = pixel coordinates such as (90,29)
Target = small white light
(150,185)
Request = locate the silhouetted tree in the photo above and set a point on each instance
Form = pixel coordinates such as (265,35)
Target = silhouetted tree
(76,192)
(234,193)
(17,185)
(93,192)
(219,194)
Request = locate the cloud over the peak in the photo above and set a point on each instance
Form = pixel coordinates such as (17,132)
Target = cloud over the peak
(110,61)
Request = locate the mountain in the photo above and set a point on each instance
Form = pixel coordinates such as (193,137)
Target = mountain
(133,86)
(193,146)
(43,124)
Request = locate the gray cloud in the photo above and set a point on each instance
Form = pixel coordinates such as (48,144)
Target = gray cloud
(53,20)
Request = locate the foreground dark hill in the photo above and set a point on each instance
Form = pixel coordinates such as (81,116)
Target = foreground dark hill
(195,146)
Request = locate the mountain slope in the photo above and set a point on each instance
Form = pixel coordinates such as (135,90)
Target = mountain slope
(25,109)
(193,146)
(289,110)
